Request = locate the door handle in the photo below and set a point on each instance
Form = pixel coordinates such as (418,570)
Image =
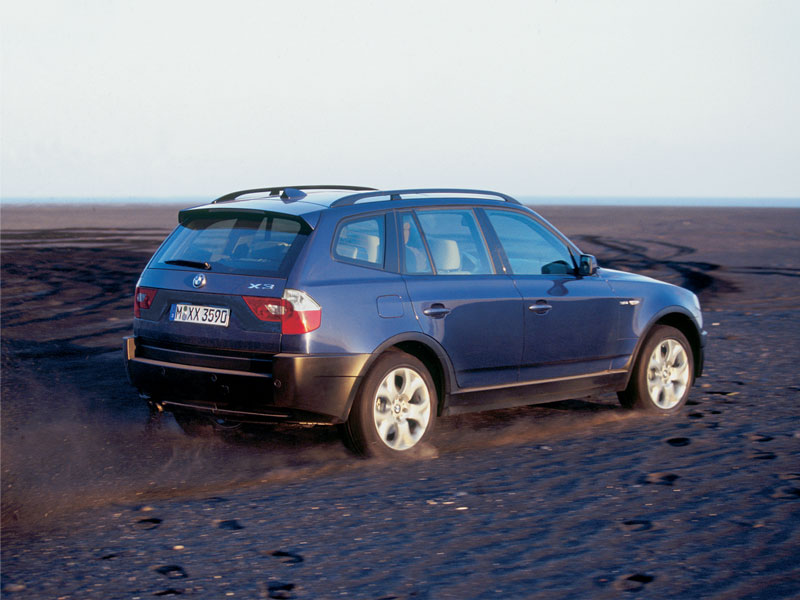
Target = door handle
(436,311)
(541,307)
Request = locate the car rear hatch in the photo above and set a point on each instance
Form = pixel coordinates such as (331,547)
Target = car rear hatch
(212,295)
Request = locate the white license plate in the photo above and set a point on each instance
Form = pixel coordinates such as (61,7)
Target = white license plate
(205,315)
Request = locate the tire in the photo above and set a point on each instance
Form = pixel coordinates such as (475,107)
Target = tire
(395,409)
(663,373)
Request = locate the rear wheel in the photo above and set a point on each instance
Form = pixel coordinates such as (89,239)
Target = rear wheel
(663,373)
(395,409)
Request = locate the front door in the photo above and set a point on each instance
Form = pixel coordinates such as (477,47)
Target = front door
(570,322)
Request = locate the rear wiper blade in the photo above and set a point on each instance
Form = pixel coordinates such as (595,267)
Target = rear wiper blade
(189,263)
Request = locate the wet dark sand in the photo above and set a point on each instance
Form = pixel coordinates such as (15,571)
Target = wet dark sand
(567,500)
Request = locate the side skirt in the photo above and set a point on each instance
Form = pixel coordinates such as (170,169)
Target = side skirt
(537,392)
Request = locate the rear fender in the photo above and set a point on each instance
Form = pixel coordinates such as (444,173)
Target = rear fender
(429,351)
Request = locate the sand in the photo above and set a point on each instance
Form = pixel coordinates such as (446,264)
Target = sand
(568,500)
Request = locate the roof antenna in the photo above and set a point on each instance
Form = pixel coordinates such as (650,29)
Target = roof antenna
(292,195)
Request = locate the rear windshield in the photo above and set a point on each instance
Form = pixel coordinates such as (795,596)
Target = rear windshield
(242,243)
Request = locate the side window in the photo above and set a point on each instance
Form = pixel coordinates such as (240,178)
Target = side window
(455,242)
(361,241)
(415,256)
(531,249)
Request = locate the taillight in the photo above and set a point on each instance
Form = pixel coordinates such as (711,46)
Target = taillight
(268,309)
(143,298)
(296,311)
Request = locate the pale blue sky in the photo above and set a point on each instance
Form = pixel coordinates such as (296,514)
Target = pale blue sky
(546,98)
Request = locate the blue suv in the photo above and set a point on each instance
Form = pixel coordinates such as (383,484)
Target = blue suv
(382,310)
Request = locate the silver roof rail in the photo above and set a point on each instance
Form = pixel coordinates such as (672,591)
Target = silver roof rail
(403,195)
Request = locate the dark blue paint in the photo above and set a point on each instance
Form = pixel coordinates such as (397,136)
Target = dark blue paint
(482,331)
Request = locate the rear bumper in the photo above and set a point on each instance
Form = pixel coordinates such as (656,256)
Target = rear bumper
(299,388)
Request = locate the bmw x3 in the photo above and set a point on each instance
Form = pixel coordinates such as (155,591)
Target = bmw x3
(383,310)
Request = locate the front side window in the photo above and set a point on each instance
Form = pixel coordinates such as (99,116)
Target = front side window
(242,243)
(361,241)
(455,242)
(531,249)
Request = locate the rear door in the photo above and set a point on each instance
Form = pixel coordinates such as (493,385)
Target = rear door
(570,322)
(459,298)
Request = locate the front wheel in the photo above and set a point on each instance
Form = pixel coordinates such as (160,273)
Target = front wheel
(395,408)
(662,374)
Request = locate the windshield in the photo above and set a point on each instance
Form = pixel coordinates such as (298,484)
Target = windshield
(242,243)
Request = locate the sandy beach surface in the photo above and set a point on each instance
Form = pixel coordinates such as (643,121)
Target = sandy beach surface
(573,499)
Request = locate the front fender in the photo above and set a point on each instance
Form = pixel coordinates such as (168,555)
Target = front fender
(680,318)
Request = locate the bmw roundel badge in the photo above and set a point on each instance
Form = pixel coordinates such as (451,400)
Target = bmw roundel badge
(199,280)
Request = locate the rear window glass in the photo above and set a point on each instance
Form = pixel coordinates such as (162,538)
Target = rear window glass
(246,244)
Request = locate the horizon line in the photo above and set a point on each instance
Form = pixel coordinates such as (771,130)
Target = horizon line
(733,201)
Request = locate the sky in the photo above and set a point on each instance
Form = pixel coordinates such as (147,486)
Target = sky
(166,98)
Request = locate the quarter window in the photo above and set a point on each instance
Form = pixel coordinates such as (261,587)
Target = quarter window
(361,241)
(531,249)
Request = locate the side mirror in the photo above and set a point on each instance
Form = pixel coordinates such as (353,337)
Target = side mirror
(588,265)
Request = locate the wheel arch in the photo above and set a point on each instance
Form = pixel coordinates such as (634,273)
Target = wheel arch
(684,323)
(424,348)
(687,327)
